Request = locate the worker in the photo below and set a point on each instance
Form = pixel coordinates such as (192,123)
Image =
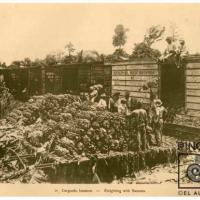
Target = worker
(170,51)
(102,102)
(122,107)
(181,52)
(93,94)
(83,97)
(140,118)
(158,120)
(114,102)
(130,102)
(24,94)
(87,97)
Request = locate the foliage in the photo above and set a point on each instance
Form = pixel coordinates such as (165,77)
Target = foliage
(3,65)
(16,63)
(154,34)
(70,48)
(142,50)
(50,59)
(69,59)
(118,55)
(89,56)
(27,62)
(120,37)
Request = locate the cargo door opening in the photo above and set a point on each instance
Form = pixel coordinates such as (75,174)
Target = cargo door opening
(173,85)
(70,80)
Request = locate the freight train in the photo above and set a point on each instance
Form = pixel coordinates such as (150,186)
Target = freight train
(176,86)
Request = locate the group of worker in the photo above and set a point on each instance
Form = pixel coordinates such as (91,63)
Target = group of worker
(142,123)
(173,51)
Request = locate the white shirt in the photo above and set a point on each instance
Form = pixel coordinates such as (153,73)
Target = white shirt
(102,104)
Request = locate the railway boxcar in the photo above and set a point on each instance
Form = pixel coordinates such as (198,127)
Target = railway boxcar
(131,76)
(76,78)
(177,86)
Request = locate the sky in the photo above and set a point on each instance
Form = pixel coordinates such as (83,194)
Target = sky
(35,30)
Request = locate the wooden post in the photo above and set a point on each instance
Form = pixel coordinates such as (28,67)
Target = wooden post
(43,86)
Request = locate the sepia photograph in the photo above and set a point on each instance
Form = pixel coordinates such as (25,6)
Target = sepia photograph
(100,94)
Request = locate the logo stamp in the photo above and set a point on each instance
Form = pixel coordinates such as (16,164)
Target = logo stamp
(188,171)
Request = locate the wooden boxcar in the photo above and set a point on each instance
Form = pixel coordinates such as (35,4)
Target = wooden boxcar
(132,75)
(18,79)
(192,85)
(178,86)
(76,78)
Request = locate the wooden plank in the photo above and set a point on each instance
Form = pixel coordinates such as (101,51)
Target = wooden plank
(194,106)
(143,100)
(194,113)
(133,72)
(130,88)
(192,79)
(118,73)
(128,83)
(132,62)
(193,86)
(135,83)
(192,99)
(122,93)
(119,78)
(144,66)
(193,92)
(138,66)
(118,82)
(135,94)
(107,73)
(193,72)
(97,68)
(137,78)
(119,67)
(142,72)
(193,66)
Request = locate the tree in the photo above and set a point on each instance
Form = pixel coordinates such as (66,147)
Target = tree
(27,61)
(120,37)
(143,49)
(50,59)
(16,63)
(154,34)
(3,65)
(70,48)
(37,62)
